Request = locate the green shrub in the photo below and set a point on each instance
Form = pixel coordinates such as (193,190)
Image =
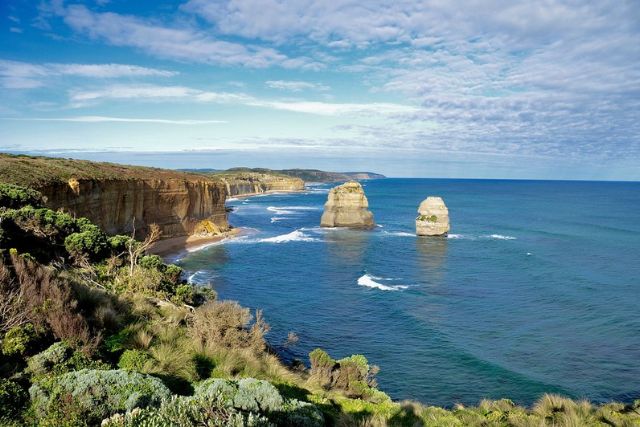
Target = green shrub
(95,394)
(134,360)
(151,262)
(12,400)
(172,273)
(91,242)
(59,359)
(119,243)
(187,412)
(185,294)
(14,196)
(19,340)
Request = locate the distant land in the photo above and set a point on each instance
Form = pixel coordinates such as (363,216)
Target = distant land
(307,175)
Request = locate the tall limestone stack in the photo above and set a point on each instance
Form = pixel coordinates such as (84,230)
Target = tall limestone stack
(347,206)
(433,218)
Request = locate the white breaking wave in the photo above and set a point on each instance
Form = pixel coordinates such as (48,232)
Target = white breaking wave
(290,210)
(294,236)
(368,281)
(399,233)
(191,277)
(279,218)
(455,236)
(501,237)
(232,199)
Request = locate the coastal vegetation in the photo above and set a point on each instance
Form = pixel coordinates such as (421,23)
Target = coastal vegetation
(95,330)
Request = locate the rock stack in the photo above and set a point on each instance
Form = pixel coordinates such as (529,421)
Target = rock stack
(433,218)
(347,206)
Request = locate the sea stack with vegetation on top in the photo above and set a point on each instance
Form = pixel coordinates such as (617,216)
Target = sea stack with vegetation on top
(347,206)
(433,217)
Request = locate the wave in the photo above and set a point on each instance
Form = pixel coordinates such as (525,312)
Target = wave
(294,236)
(368,281)
(192,276)
(399,233)
(279,218)
(500,237)
(486,236)
(232,199)
(290,210)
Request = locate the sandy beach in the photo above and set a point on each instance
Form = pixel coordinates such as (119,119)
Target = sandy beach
(175,245)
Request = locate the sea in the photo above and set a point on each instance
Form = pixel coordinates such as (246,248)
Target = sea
(535,290)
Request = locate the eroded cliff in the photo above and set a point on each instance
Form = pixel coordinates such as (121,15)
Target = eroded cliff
(347,206)
(113,196)
(247,183)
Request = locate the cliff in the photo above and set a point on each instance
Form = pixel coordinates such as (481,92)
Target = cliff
(433,218)
(347,206)
(247,183)
(307,175)
(113,195)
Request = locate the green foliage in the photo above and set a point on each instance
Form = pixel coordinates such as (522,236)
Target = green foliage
(59,359)
(91,242)
(185,294)
(13,398)
(14,196)
(95,394)
(358,361)
(20,340)
(119,243)
(172,273)
(134,360)
(152,262)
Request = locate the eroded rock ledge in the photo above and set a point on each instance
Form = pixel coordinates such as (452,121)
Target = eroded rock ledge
(433,217)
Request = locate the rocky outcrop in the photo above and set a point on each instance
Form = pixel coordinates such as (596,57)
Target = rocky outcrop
(180,206)
(347,206)
(433,218)
(244,184)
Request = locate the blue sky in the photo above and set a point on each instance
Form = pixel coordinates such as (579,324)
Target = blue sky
(484,89)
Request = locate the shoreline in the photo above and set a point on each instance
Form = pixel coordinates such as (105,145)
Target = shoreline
(175,246)
(265,193)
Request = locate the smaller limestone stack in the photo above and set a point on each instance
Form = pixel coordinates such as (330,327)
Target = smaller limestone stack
(433,218)
(347,206)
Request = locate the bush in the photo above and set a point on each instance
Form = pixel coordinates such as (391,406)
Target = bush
(227,324)
(119,243)
(14,196)
(151,262)
(185,294)
(19,340)
(12,400)
(134,360)
(91,242)
(95,394)
(172,273)
(60,359)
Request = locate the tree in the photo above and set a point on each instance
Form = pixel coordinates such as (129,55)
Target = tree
(137,249)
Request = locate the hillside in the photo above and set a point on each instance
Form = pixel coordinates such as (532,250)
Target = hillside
(307,175)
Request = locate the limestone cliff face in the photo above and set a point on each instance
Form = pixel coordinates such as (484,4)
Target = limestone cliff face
(243,184)
(433,218)
(347,206)
(180,206)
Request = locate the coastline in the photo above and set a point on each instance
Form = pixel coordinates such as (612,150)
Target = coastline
(264,193)
(173,246)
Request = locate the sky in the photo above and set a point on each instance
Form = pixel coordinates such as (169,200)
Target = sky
(546,89)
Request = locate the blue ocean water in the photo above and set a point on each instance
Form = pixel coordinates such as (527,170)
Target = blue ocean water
(537,288)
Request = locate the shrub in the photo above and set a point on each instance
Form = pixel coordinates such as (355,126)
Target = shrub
(58,359)
(322,366)
(152,262)
(172,273)
(227,324)
(187,412)
(185,294)
(14,196)
(134,360)
(91,242)
(119,243)
(12,400)
(96,394)
(19,340)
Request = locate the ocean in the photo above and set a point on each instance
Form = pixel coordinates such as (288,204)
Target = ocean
(536,289)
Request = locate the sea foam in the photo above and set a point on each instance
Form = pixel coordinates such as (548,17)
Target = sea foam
(368,281)
(294,236)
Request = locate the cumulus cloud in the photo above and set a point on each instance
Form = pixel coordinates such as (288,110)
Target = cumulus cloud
(25,75)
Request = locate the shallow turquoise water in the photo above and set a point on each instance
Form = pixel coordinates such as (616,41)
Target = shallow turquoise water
(536,290)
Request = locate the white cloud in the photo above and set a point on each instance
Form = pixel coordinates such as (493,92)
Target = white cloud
(295,85)
(182,93)
(182,43)
(24,75)
(106,119)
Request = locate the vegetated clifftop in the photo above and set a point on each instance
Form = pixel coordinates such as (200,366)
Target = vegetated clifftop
(307,175)
(242,183)
(113,195)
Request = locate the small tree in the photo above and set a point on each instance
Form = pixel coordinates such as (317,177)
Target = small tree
(137,249)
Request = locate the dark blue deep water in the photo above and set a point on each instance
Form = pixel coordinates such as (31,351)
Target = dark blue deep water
(536,290)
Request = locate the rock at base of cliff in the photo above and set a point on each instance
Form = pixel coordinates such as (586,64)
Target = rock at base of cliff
(433,218)
(347,206)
